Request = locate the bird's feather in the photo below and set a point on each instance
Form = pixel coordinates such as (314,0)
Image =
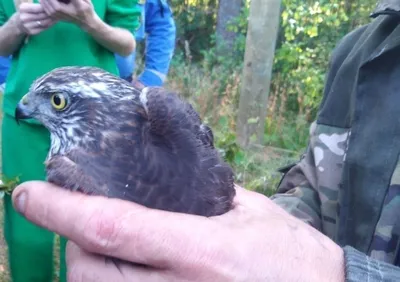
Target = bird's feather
(147,146)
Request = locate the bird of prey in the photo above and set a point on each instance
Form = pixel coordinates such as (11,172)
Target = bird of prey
(108,138)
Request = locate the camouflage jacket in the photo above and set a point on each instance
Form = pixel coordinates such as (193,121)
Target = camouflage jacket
(347,184)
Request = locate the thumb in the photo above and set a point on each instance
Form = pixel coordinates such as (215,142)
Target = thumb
(111,227)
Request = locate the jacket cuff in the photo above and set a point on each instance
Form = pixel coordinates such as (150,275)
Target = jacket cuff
(360,267)
(149,78)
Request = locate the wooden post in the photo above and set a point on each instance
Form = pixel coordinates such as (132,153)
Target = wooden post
(227,11)
(261,39)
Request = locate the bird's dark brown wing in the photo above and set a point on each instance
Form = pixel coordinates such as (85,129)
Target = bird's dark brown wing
(163,158)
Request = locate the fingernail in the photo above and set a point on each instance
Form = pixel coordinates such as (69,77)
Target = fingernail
(20,202)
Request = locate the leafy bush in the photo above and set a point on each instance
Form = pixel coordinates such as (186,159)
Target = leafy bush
(309,30)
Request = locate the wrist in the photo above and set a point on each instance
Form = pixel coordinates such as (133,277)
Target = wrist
(93,24)
(17,25)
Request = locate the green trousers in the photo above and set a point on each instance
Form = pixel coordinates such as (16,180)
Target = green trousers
(30,248)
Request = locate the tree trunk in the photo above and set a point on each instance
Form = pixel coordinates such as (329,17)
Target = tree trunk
(228,10)
(259,57)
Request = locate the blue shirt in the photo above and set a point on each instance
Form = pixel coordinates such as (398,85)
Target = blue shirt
(5,63)
(159,25)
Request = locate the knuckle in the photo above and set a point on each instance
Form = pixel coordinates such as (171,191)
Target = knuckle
(45,23)
(23,17)
(57,9)
(82,273)
(102,233)
(22,8)
(83,8)
(75,273)
(36,31)
(52,13)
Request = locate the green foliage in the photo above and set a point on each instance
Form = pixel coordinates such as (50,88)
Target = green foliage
(309,32)
(211,80)
(291,135)
(8,185)
(195,22)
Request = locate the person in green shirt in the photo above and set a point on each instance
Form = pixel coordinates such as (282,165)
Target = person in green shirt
(40,37)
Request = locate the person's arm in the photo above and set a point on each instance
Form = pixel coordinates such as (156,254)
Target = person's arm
(115,39)
(161,30)
(11,35)
(30,19)
(116,33)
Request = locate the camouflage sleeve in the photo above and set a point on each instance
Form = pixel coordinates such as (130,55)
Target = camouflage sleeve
(360,267)
(297,191)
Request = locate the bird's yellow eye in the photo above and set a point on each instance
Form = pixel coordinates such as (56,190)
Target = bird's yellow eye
(58,101)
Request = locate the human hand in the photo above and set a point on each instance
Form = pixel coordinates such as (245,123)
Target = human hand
(31,19)
(79,12)
(256,241)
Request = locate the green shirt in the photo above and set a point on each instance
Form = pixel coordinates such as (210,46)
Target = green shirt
(64,44)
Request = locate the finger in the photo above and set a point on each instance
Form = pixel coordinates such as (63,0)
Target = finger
(50,11)
(114,227)
(33,28)
(84,266)
(55,5)
(25,17)
(36,31)
(31,8)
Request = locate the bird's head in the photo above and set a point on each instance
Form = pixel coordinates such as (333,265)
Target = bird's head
(74,101)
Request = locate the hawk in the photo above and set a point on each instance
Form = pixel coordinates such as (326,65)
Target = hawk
(111,139)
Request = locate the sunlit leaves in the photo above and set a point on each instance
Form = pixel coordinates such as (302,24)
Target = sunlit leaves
(310,30)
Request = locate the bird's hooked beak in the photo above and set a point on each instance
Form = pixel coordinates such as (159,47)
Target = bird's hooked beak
(23,111)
